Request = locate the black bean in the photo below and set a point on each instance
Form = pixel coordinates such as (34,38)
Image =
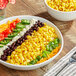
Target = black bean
(19,39)
(18,42)
(6,54)
(12,47)
(32,27)
(4,57)
(35,25)
(5,51)
(23,40)
(31,30)
(9,46)
(13,44)
(11,50)
(27,34)
(42,24)
(38,21)
(9,53)
(39,25)
(37,29)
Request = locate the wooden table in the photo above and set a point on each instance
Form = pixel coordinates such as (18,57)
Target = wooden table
(37,8)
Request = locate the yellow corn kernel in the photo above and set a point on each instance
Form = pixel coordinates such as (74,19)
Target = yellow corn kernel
(33,46)
(62,5)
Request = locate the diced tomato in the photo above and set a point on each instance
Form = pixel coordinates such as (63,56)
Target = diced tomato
(6,32)
(17,20)
(12,25)
(5,35)
(1,36)
(9,30)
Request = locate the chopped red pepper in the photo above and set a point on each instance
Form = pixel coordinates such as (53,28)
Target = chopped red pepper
(6,32)
(1,36)
(12,26)
(17,20)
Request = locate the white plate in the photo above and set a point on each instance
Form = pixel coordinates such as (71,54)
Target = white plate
(31,67)
(60,15)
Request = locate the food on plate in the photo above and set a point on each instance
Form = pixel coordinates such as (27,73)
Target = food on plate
(11,32)
(62,5)
(7,29)
(34,43)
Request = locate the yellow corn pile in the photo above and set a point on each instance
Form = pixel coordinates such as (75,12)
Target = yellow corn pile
(53,53)
(62,5)
(33,46)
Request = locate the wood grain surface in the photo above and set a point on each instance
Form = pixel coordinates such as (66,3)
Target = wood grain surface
(37,8)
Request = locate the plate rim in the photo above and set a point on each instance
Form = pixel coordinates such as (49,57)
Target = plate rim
(47,61)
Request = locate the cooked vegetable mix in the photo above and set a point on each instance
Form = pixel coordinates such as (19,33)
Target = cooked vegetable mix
(46,52)
(29,47)
(14,28)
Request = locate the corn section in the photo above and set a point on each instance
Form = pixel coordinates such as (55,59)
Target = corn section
(53,53)
(33,46)
(62,5)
